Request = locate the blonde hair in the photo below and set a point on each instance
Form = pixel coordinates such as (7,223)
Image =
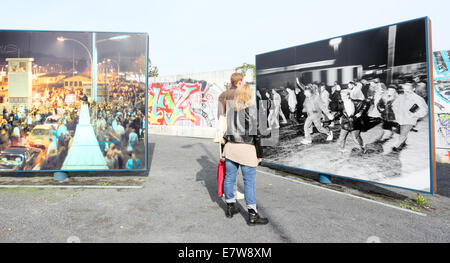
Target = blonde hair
(243,98)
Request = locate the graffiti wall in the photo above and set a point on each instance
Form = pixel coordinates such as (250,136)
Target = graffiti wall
(186,104)
(441,91)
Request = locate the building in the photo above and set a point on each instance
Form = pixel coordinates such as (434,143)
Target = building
(50,79)
(3,87)
(20,82)
(76,81)
(329,76)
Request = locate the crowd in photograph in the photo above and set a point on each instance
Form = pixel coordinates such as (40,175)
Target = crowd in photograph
(356,107)
(48,125)
(120,125)
(47,128)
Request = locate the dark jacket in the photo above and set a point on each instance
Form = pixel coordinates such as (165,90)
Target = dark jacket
(242,127)
(351,123)
(385,108)
(335,101)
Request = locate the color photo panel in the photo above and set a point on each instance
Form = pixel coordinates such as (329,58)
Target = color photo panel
(72,101)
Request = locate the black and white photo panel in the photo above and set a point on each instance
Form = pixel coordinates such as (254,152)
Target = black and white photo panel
(355,106)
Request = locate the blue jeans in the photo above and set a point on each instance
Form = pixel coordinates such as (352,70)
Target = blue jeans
(249,173)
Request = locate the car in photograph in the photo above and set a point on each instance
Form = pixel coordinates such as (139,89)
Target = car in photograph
(52,121)
(40,137)
(19,158)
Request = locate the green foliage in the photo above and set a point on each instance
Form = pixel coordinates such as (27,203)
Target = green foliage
(244,68)
(409,207)
(153,72)
(422,201)
(418,203)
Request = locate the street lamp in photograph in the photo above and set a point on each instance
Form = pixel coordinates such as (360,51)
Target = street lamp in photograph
(335,42)
(62,39)
(94,51)
(117,63)
(93,56)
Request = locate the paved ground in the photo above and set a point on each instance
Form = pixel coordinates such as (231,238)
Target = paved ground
(178,204)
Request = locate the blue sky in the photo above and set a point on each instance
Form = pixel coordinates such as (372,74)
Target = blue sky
(200,35)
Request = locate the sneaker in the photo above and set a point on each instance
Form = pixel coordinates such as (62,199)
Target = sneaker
(306,141)
(239,195)
(330,136)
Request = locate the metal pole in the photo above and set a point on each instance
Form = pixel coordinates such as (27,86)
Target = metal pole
(94,67)
(391,54)
(73,62)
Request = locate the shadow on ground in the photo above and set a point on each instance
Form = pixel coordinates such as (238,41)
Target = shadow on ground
(209,167)
(338,183)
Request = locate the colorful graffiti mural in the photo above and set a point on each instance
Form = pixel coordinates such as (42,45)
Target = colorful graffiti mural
(183,104)
(169,104)
(441,61)
(443,128)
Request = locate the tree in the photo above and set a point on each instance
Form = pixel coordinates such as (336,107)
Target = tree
(153,72)
(244,69)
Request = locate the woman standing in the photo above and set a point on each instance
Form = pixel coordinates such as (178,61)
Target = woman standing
(242,149)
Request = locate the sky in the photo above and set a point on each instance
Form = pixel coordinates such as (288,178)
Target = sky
(200,35)
(44,47)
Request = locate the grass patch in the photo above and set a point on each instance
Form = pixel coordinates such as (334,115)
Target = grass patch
(419,203)
(413,208)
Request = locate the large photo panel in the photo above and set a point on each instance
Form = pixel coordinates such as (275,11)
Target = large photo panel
(441,90)
(72,101)
(355,106)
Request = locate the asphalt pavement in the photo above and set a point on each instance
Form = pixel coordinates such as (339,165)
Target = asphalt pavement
(178,203)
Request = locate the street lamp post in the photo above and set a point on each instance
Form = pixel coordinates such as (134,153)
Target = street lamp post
(94,70)
(117,63)
(335,42)
(94,56)
(118,73)
(94,47)
(62,39)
